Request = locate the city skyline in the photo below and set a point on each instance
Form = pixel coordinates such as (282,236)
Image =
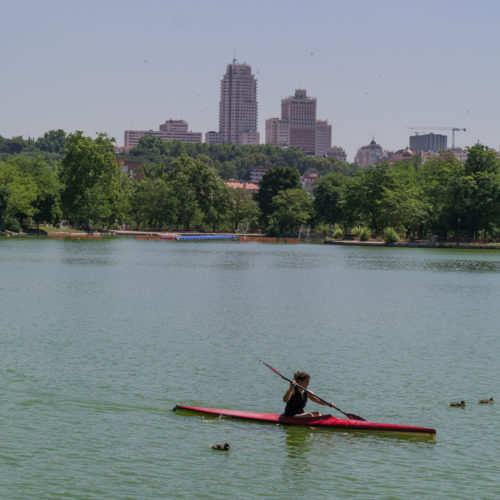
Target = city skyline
(375,68)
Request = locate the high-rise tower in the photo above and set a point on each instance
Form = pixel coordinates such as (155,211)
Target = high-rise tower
(300,113)
(238,105)
(298,126)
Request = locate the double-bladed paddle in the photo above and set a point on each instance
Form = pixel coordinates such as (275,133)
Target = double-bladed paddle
(351,416)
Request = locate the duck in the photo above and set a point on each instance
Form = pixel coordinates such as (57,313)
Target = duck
(461,403)
(491,400)
(222,447)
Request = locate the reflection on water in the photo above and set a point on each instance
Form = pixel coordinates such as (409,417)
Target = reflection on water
(297,466)
(298,441)
(426,260)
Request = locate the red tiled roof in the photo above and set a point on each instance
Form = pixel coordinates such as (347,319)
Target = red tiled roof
(247,186)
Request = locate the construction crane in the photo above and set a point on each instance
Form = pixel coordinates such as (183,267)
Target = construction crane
(453,130)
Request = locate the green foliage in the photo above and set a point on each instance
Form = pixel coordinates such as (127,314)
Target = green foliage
(47,204)
(92,181)
(364,234)
(338,233)
(153,204)
(323,229)
(477,192)
(402,202)
(275,179)
(50,146)
(18,192)
(202,198)
(390,235)
(291,208)
(363,196)
(52,141)
(327,202)
(231,161)
(182,188)
(243,209)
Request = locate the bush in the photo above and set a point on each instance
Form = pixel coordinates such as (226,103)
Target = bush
(364,234)
(390,235)
(323,229)
(12,224)
(338,233)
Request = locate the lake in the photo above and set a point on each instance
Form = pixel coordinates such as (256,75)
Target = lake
(100,339)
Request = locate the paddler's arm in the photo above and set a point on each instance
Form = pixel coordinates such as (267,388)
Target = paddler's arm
(314,398)
(289,392)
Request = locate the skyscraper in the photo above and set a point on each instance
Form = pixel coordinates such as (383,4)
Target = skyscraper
(299,111)
(323,137)
(298,126)
(238,105)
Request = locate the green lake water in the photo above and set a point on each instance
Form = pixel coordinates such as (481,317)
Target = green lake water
(100,339)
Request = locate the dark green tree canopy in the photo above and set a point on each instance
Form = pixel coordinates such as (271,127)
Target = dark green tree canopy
(328,191)
(52,141)
(276,179)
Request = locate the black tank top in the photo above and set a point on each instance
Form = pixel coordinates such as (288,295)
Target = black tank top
(295,404)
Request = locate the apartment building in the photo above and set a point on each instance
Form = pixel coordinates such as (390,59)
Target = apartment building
(171,130)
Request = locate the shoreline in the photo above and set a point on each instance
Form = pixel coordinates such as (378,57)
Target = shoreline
(256,238)
(417,244)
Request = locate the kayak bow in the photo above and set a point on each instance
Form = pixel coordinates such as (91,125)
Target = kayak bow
(327,421)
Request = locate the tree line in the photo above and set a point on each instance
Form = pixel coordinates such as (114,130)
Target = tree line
(232,161)
(77,178)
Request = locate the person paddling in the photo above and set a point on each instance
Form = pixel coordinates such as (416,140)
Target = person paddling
(296,397)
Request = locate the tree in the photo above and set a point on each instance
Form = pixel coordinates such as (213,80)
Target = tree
(218,209)
(403,204)
(52,141)
(243,209)
(291,208)
(275,179)
(327,198)
(201,194)
(92,181)
(47,204)
(17,194)
(151,144)
(464,199)
(363,199)
(153,203)
(477,191)
(4,200)
(434,180)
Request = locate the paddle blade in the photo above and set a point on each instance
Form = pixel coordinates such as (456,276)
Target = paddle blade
(353,416)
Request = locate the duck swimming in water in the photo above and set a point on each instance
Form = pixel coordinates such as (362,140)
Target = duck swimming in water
(461,403)
(223,447)
(491,400)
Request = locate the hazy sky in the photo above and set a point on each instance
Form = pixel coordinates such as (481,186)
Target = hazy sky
(375,67)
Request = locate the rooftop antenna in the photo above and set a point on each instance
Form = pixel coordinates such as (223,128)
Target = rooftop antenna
(234,57)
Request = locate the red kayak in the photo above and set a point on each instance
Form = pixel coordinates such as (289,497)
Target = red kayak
(344,424)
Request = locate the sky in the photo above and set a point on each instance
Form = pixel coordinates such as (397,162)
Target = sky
(375,67)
